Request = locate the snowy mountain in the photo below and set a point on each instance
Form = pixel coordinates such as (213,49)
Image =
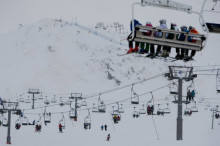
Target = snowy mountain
(60,57)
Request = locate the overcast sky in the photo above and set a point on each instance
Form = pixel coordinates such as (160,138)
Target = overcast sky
(15,12)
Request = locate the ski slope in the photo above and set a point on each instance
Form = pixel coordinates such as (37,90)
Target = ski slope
(63,57)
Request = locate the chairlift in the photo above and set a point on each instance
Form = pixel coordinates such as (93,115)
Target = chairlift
(95,108)
(61,103)
(87,121)
(28,100)
(167,109)
(160,110)
(54,99)
(21,99)
(68,102)
(187,111)
(120,109)
(72,113)
(4,122)
(62,122)
(134,96)
(25,121)
(135,113)
(18,124)
(138,34)
(84,103)
(47,116)
(116,116)
(173,88)
(40,97)
(218,82)
(194,108)
(46,101)
(142,110)
(101,105)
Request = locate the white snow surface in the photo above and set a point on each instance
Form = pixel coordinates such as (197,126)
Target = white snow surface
(60,58)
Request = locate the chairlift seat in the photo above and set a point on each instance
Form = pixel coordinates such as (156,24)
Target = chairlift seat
(163,41)
(83,103)
(166,111)
(213,27)
(194,109)
(121,110)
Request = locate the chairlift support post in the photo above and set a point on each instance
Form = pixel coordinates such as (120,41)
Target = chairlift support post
(181,73)
(172,5)
(9,106)
(76,96)
(33,92)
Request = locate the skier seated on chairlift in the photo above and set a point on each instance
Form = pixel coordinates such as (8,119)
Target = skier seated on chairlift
(188,96)
(217,116)
(148,110)
(60,128)
(0,123)
(130,43)
(17,126)
(193,94)
(145,47)
(115,119)
(38,128)
(159,34)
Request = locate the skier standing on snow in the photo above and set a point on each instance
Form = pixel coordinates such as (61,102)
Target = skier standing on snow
(130,43)
(60,128)
(102,127)
(105,127)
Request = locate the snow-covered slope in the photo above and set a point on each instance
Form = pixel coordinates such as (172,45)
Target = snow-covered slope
(63,57)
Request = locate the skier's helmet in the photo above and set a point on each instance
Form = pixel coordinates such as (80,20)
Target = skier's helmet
(148,23)
(183,27)
(162,21)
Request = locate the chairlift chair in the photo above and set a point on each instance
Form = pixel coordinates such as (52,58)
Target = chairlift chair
(62,122)
(120,109)
(84,103)
(187,111)
(160,111)
(116,116)
(21,99)
(18,124)
(25,121)
(166,110)
(61,103)
(47,116)
(68,102)
(95,108)
(4,122)
(194,108)
(142,110)
(40,97)
(87,121)
(173,88)
(135,113)
(134,96)
(46,101)
(28,100)
(72,113)
(101,105)
(54,99)
(138,34)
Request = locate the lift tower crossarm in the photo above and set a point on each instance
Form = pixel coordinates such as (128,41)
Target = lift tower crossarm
(169,4)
